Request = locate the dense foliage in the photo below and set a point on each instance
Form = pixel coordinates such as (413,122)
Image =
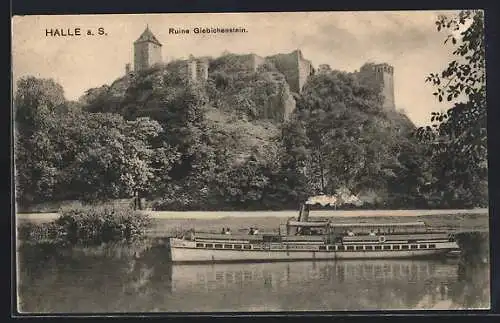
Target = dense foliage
(91,225)
(457,138)
(226,143)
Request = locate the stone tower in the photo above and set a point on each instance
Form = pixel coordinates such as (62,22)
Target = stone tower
(380,76)
(202,70)
(147,51)
(191,69)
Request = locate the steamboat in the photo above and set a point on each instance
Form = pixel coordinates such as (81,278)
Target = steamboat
(307,239)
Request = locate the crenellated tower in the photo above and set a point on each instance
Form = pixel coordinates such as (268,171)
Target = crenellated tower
(380,76)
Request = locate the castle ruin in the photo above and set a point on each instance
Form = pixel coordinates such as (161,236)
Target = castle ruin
(294,67)
(380,77)
(147,51)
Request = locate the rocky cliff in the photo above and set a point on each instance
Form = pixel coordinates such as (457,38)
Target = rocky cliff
(262,94)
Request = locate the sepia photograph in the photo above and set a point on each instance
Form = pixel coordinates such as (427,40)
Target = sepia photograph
(250,162)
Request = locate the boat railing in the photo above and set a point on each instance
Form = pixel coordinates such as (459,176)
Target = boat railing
(233,236)
(396,236)
(417,224)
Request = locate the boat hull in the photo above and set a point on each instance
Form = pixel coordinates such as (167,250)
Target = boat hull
(187,253)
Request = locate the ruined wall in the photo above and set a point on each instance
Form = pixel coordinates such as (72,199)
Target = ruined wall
(305,69)
(295,68)
(202,70)
(287,64)
(279,106)
(233,63)
(289,105)
(249,62)
(191,70)
(256,61)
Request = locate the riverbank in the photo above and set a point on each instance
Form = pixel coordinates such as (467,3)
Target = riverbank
(174,215)
(142,267)
(163,226)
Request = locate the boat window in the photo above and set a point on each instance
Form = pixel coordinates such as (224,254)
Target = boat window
(268,238)
(208,245)
(404,246)
(237,246)
(228,246)
(330,247)
(423,246)
(341,248)
(368,247)
(199,245)
(359,247)
(350,247)
(396,247)
(247,247)
(414,246)
(322,247)
(218,245)
(432,246)
(378,247)
(386,247)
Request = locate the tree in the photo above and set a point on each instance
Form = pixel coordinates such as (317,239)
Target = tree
(344,125)
(34,99)
(36,103)
(109,157)
(292,185)
(64,152)
(458,136)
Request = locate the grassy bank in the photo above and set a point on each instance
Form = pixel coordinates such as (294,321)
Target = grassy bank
(269,221)
(166,215)
(456,222)
(473,228)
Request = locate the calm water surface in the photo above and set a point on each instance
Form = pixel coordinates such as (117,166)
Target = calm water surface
(80,281)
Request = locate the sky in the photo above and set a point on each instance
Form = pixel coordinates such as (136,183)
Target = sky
(408,40)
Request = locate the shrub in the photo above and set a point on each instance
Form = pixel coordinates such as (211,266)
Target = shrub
(40,232)
(97,224)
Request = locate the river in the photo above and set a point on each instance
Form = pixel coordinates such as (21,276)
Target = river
(81,281)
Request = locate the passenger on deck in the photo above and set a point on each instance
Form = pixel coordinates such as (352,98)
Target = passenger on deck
(251,232)
(350,233)
(228,231)
(372,233)
(223,231)
(256,231)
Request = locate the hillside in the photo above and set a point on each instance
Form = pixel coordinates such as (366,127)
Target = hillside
(260,94)
(253,132)
(237,139)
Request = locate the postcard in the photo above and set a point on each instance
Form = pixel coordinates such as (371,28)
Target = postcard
(250,162)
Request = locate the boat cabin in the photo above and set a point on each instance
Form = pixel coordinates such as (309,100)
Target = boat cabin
(304,226)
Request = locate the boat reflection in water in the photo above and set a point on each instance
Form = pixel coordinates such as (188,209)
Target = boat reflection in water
(341,285)
(78,283)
